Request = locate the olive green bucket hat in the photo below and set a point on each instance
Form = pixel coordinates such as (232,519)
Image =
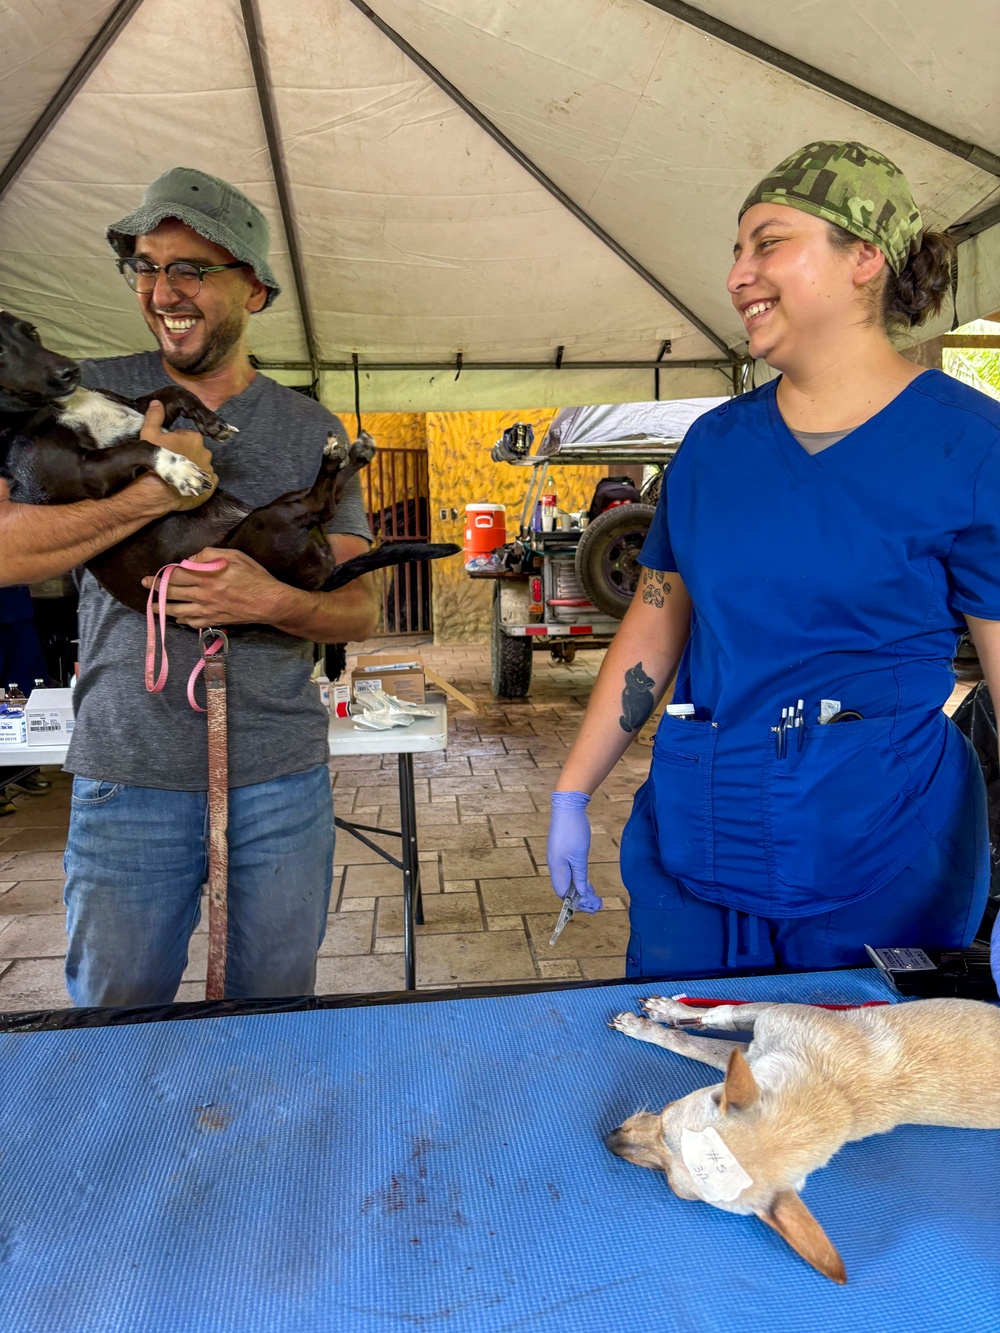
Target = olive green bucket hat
(212,208)
(853,187)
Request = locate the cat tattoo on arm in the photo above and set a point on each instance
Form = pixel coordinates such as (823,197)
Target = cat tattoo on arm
(655,587)
(637,699)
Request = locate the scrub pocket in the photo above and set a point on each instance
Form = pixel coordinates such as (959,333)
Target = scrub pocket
(680,776)
(832,815)
(648,884)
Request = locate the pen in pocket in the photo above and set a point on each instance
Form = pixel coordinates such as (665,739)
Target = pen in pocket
(792,719)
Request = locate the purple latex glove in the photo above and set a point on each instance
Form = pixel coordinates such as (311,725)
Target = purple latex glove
(568,848)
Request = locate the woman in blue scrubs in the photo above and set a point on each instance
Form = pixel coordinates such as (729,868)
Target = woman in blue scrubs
(819,545)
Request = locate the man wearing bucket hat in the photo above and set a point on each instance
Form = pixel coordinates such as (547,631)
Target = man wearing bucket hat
(195,253)
(819,545)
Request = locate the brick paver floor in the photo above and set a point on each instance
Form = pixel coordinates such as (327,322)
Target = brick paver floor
(481,820)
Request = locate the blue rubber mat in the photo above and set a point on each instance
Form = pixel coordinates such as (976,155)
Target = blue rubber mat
(440,1166)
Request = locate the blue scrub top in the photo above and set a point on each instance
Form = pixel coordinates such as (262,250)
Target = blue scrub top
(840,575)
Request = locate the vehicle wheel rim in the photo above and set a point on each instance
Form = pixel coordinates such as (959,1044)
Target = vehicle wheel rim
(620,565)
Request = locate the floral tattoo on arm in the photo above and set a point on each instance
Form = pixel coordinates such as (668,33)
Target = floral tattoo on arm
(655,587)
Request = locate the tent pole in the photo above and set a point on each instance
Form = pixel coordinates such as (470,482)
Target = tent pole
(845,92)
(102,39)
(280,179)
(664,349)
(964,231)
(571,205)
(366,366)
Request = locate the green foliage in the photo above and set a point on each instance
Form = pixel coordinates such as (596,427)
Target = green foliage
(977,366)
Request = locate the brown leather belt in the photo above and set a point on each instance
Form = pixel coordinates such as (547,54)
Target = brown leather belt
(214,660)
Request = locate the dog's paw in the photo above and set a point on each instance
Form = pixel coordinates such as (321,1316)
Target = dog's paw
(362,451)
(181,473)
(209,422)
(663,1009)
(335,450)
(631,1024)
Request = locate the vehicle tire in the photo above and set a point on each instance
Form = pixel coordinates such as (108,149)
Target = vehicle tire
(607,563)
(510,659)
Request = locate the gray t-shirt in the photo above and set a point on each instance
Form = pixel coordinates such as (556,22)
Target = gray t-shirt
(815,441)
(277,725)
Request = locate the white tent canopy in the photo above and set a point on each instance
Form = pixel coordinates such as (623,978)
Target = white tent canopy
(521,185)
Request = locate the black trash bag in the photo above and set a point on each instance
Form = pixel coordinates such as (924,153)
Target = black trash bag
(975,717)
(612,490)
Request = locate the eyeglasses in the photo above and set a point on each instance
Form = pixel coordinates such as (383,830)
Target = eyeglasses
(184,277)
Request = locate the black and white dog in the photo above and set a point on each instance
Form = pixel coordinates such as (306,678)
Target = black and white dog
(60,443)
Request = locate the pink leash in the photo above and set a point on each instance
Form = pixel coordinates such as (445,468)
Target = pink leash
(213,663)
(158,594)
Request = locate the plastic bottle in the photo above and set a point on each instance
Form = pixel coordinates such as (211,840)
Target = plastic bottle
(680,710)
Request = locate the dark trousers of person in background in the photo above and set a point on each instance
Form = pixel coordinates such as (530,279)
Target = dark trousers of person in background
(21,660)
(21,664)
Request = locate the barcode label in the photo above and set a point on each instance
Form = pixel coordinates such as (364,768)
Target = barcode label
(49,724)
(44,723)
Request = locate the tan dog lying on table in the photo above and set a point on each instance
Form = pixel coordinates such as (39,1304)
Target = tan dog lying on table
(812,1079)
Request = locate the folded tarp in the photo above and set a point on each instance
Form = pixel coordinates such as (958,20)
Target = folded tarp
(639,423)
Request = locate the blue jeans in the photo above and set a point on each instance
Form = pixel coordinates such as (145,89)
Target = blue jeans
(137,858)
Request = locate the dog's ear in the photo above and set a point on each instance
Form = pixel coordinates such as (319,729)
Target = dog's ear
(793,1221)
(740,1089)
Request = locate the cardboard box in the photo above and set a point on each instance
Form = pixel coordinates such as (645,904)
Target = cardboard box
(12,730)
(48,717)
(397,672)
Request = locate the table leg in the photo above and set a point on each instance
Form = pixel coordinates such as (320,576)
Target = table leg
(412,905)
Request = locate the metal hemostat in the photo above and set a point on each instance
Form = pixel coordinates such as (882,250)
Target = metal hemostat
(569,906)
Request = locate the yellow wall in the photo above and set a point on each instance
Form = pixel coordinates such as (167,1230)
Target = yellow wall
(391,430)
(461,472)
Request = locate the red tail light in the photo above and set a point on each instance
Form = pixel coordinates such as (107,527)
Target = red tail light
(536,590)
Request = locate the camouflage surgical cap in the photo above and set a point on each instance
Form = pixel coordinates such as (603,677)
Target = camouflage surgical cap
(852,186)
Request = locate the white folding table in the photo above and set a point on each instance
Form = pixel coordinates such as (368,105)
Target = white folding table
(23,758)
(423,736)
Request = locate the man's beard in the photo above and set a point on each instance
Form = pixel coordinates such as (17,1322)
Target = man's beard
(218,346)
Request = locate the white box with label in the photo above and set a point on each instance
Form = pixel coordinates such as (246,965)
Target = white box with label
(48,717)
(11,729)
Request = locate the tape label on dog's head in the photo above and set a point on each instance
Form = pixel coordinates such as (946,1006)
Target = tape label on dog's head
(717,1174)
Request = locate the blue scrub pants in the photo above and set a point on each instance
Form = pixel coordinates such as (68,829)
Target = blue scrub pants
(937,902)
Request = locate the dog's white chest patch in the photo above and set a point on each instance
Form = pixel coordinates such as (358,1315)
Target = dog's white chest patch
(717,1175)
(106,422)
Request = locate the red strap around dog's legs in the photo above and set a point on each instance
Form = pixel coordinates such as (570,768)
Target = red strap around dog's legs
(697,1002)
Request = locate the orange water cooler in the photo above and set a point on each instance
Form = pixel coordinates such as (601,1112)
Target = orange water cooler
(485,529)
